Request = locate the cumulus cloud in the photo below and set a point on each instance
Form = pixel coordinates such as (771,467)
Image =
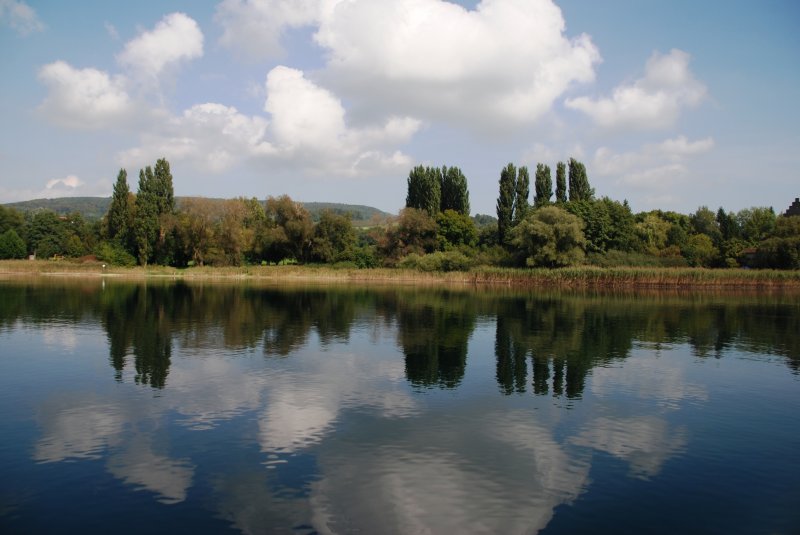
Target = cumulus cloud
(83,98)
(653,101)
(212,136)
(306,129)
(437,60)
(70,181)
(176,38)
(20,17)
(655,167)
(430,58)
(254,27)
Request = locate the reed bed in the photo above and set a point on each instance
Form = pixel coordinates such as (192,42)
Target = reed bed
(574,277)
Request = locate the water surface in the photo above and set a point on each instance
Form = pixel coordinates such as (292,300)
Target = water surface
(172,407)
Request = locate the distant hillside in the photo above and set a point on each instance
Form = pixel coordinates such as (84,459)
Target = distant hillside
(96,207)
(88,207)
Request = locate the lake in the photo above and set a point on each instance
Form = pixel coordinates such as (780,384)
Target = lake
(165,407)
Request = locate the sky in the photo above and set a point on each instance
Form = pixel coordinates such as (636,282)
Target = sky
(670,105)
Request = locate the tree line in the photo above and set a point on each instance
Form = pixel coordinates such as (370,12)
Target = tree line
(554,225)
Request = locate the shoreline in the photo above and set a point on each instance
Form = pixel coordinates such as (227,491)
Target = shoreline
(577,277)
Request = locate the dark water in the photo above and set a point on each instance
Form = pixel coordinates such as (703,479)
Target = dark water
(164,408)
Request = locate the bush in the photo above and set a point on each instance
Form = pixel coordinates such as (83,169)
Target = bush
(11,245)
(115,254)
(438,261)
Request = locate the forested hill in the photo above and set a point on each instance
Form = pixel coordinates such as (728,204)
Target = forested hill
(96,207)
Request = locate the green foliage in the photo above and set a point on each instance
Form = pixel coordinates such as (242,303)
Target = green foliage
(454,191)
(113,253)
(424,189)
(607,224)
(455,229)
(413,232)
(521,193)
(700,251)
(561,183)
(11,218)
(46,234)
(782,251)
(704,221)
(728,225)
(334,239)
(11,245)
(145,228)
(506,201)
(289,230)
(120,214)
(154,224)
(579,189)
(550,237)
(757,224)
(543,186)
(437,261)
(614,258)
(652,232)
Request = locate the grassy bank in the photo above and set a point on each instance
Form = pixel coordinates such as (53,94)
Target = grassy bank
(578,277)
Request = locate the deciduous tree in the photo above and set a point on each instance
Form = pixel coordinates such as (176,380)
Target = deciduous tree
(506,201)
(561,183)
(550,237)
(543,185)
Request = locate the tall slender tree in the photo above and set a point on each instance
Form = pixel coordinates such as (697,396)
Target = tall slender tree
(579,189)
(543,185)
(454,191)
(505,202)
(424,189)
(155,206)
(119,213)
(522,191)
(561,183)
(145,227)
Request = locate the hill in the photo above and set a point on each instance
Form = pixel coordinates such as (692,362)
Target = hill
(96,207)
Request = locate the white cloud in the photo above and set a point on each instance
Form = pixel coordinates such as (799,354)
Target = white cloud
(211,136)
(70,181)
(83,98)
(307,130)
(645,442)
(656,171)
(437,60)
(254,27)
(653,101)
(175,38)
(111,30)
(429,58)
(20,17)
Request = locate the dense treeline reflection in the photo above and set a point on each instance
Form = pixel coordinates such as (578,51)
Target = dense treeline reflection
(545,343)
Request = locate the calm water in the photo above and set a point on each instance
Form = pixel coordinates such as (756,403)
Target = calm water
(163,408)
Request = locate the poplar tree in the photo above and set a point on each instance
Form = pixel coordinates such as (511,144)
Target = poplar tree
(424,189)
(579,189)
(145,227)
(543,185)
(561,183)
(454,191)
(155,204)
(119,213)
(522,190)
(505,202)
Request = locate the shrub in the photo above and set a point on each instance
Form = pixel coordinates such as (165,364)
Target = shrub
(115,254)
(438,261)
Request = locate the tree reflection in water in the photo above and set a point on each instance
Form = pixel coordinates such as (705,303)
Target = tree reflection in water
(561,337)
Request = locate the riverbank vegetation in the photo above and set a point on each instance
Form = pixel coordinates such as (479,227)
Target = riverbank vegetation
(433,233)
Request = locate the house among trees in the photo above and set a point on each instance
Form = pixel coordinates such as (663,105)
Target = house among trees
(794,209)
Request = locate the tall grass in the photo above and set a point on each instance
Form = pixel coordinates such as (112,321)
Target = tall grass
(575,277)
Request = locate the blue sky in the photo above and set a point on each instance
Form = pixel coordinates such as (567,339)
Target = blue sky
(670,105)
